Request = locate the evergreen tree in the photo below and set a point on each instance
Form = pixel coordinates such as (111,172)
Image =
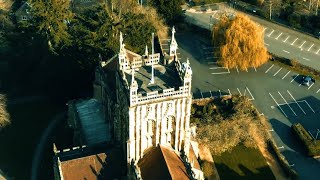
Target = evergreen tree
(170,10)
(51,18)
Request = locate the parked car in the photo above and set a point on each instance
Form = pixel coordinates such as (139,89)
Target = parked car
(308,80)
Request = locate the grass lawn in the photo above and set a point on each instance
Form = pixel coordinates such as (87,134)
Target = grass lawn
(243,163)
(19,140)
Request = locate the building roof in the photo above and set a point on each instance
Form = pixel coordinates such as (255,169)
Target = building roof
(88,167)
(24,9)
(162,163)
(193,159)
(93,125)
(90,163)
(164,78)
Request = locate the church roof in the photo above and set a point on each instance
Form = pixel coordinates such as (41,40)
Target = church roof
(90,163)
(93,125)
(162,163)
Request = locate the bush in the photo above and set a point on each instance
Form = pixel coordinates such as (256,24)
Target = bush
(312,146)
(283,162)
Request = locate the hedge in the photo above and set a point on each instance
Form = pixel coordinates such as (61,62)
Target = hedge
(290,172)
(312,146)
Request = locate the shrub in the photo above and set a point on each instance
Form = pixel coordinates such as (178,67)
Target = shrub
(312,146)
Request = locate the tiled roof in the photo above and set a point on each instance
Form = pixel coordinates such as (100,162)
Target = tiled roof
(83,168)
(162,163)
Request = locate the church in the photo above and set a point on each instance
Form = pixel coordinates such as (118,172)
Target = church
(141,105)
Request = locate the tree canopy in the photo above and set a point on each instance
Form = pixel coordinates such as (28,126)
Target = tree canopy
(170,10)
(240,42)
(224,123)
(51,18)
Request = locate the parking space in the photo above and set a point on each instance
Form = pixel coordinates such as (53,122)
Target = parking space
(293,41)
(242,91)
(289,106)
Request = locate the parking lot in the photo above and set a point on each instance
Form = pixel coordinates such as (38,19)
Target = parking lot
(276,92)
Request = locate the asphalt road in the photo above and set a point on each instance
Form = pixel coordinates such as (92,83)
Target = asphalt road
(279,40)
(276,92)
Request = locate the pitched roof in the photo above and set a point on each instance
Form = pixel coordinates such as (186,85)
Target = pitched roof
(162,163)
(83,168)
(85,163)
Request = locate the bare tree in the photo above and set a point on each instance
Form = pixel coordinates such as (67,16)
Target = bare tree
(4,115)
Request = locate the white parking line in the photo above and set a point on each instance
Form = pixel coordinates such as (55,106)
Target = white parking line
(318,51)
(294,41)
(287,103)
(269,68)
(318,90)
(306,59)
(310,47)
(210,94)
(278,105)
(286,51)
(239,91)
(252,98)
(255,69)
(281,147)
(237,69)
(310,107)
(247,69)
(220,92)
(270,33)
(296,102)
(277,72)
(286,74)
(310,85)
(278,36)
(311,135)
(294,78)
(286,39)
(229,92)
(302,44)
(264,29)
(300,84)
(266,44)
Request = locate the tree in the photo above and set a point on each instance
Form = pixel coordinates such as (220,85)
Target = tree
(240,43)
(51,18)
(240,124)
(4,115)
(170,10)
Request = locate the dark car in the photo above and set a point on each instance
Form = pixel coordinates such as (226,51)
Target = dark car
(307,80)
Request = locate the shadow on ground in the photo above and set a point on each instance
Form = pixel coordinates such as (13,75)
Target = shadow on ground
(227,173)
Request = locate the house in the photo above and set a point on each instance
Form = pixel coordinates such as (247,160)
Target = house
(23,13)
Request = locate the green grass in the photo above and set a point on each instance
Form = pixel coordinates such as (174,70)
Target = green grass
(18,140)
(243,163)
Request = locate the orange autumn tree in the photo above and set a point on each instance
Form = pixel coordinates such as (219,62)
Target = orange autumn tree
(240,42)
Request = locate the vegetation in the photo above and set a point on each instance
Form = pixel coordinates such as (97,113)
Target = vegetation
(313,146)
(4,115)
(290,172)
(243,163)
(170,10)
(51,20)
(18,141)
(225,123)
(240,43)
(296,66)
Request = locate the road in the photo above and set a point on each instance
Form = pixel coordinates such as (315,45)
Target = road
(278,39)
(275,91)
